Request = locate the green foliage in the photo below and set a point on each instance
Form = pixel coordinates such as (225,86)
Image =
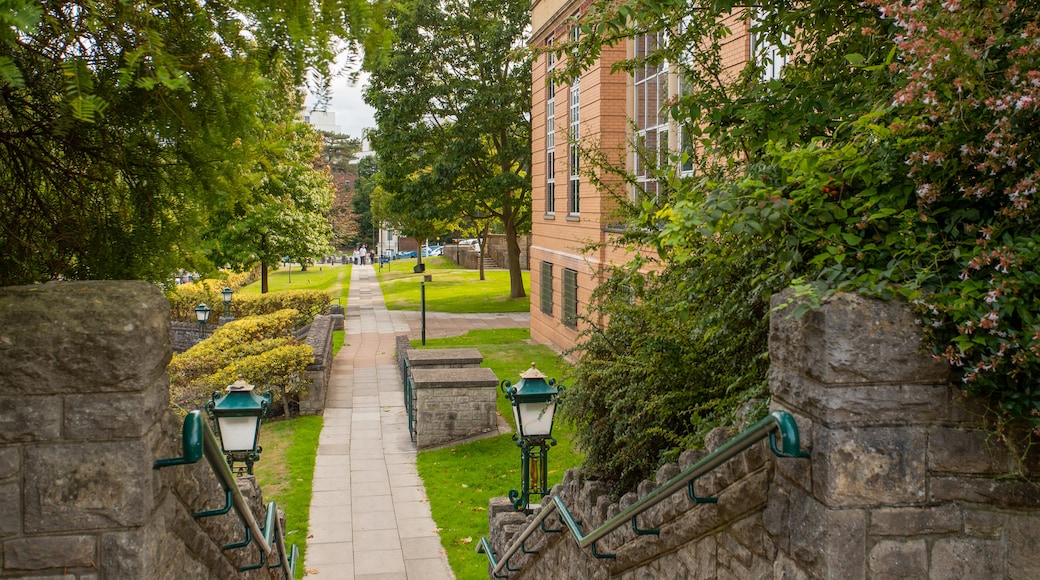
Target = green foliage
(260,349)
(305,303)
(895,155)
(127,128)
(451,103)
(684,351)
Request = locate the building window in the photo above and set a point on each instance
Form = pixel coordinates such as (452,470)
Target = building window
(651,125)
(546,290)
(550,135)
(570,298)
(771,56)
(573,136)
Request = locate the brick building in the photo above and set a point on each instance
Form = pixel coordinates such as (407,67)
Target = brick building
(609,113)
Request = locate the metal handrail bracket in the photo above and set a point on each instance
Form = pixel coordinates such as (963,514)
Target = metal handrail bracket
(777,422)
(199,441)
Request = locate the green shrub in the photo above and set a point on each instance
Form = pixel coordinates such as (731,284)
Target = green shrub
(676,354)
(186,297)
(260,349)
(280,369)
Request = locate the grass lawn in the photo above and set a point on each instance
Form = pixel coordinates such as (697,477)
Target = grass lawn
(460,480)
(333,279)
(452,289)
(285,472)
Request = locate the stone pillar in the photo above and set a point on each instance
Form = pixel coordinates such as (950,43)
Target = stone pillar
(894,485)
(80,420)
(453,404)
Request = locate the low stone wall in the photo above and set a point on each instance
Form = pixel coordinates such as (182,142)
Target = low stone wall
(444,358)
(453,396)
(84,413)
(902,480)
(453,404)
(319,372)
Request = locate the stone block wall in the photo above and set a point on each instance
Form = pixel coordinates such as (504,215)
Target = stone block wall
(84,413)
(319,372)
(903,480)
(453,404)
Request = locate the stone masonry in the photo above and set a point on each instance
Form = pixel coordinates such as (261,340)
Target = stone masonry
(454,397)
(84,413)
(903,479)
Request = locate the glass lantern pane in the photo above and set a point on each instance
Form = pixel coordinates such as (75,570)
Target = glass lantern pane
(537,417)
(238,433)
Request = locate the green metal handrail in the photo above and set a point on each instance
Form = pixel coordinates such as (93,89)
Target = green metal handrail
(777,421)
(409,396)
(198,441)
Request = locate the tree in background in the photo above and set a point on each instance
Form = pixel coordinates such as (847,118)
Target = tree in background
(338,153)
(452,101)
(126,127)
(287,215)
(367,167)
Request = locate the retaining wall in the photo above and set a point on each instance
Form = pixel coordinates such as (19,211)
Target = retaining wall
(903,480)
(84,413)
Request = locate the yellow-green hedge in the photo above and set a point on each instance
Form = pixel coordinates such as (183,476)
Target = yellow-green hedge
(259,349)
(186,297)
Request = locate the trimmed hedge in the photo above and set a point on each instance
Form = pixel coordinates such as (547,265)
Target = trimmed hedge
(185,298)
(259,349)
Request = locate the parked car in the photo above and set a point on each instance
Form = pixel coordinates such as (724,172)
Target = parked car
(433,251)
(469,242)
(411,254)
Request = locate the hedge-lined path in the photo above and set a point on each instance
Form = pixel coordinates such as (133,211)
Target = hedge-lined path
(369,514)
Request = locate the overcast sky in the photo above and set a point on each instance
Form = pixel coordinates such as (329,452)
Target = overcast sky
(352,114)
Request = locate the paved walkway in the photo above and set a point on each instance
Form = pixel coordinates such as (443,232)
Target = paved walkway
(369,517)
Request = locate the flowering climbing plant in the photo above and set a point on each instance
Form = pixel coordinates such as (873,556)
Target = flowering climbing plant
(966,120)
(931,194)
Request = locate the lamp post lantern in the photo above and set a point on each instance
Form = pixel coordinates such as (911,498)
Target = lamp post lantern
(202,315)
(534,405)
(237,416)
(226,295)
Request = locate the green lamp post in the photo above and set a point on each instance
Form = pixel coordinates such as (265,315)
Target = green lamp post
(534,404)
(226,295)
(237,417)
(202,315)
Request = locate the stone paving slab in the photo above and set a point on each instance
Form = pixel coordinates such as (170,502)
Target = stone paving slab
(370,518)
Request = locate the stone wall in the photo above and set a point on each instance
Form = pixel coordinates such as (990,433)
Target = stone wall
(319,337)
(454,397)
(903,479)
(84,413)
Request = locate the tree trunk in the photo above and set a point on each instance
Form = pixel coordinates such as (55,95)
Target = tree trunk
(263,277)
(482,244)
(516,277)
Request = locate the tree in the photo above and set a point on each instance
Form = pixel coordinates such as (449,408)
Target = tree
(124,126)
(288,214)
(367,167)
(452,101)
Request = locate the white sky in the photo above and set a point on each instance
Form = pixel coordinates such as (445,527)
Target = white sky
(352,114)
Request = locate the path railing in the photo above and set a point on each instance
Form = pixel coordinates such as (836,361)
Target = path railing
(777,422)
(409,395)
(199,442)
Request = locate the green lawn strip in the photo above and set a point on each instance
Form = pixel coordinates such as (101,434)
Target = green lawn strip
(334,279)
(285,472)
(456,290)
(460,480)
(337,341)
